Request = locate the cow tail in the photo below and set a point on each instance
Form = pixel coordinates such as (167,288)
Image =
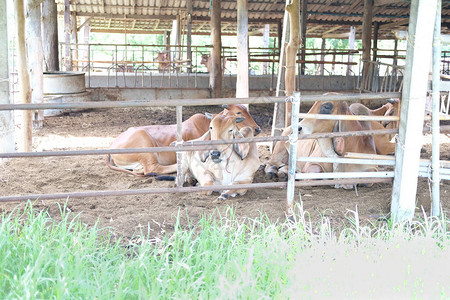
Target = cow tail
(112,166)
(165,178)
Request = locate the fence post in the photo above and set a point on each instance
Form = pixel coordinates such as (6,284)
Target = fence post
(293,137)
(179,140)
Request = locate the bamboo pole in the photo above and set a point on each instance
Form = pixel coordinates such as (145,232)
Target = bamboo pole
(435,205)
(24,79)
(293,9)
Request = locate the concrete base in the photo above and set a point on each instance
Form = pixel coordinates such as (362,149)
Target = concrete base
(65,98)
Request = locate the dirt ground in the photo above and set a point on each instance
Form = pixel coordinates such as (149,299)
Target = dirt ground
(156,214)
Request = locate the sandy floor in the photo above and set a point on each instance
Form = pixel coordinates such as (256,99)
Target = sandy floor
(128,215)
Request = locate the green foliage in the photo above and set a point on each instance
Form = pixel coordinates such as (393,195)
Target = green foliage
(222,258)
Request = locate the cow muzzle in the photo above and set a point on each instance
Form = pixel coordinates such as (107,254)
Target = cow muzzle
(215,156)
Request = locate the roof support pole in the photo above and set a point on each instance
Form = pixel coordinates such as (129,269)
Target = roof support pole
(303,20)
(86,34)
(366,37)
(322,56)
(409,142)
(215,75)
(351,46)
(242,50)
(50,35)
(293,9)
(35,59)
(24,79)
(67,53)
(189,35)
(74,33)
(375,40)
(266,40)
(435,207)
(6,117)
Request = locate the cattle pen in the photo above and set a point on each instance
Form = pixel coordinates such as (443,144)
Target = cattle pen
(330,179)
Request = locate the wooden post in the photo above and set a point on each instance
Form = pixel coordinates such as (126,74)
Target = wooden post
(322,57)
(351,46)
(375,40)
(280,35)
(293,137)
(179,111)
(242,50)
(291,53)
(6,117)
(407,151)
(67,52)
(74,33)
(35,59)
(189,34)
(50,35)
(367,36)
(304,19)
(178,39)
(215,75)
(24,79)
(86,34)
(266,38)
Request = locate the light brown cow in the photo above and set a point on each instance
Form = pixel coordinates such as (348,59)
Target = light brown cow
(150,164)
(206,60)
(225,164)
(359,144)
(163,60)
(278,164)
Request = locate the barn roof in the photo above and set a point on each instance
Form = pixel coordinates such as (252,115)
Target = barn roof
(326,18)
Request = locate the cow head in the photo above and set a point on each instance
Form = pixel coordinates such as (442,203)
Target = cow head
(241,111)
(393,110)
(224,127)
(309,126)
(205,59)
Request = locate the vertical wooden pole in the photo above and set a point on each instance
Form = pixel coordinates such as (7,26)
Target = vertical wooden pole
(375,40)
(67,52)
(367,35)
(215,75)
(291,53)
(322,57)
(280,30)
(293,137)
(304,20)
(242,50)
(266,38)
(6,117)
(24,79)
(50,35)
(35,59)
(179,110)
(407,151)
(189,34)
(351,46)
(86,39)
(74,33)
(435,206)
(178,39)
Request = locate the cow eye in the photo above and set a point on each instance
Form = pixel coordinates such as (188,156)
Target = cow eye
(231,130)
(210,128)
(239,113)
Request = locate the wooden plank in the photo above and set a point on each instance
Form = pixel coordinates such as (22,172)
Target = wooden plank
(242,80)
(215,76)
(407,152)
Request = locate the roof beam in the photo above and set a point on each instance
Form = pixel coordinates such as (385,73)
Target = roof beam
(84,23)
(394,24)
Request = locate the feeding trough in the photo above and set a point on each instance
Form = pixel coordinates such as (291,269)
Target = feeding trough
(64,87)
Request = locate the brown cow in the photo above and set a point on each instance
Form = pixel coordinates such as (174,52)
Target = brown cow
(206,60)
(278,164)
(149,164)
(163,60)
(225,164)
(359,144)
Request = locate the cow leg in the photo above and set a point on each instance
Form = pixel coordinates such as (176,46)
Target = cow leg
(206,179)
(152,167)
(233,193)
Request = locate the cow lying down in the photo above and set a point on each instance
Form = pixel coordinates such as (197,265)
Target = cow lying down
(150,164)
(223,164)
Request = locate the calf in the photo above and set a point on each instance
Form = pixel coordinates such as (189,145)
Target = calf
(360,144)
(150,164)
(224,164)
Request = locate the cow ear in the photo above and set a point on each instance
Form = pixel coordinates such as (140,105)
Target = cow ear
(338,142)
(241,149)
(204,154)
(208,115)
(225,106)
(392,100)
(240,119)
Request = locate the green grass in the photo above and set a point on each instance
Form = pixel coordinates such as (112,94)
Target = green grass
(224,258)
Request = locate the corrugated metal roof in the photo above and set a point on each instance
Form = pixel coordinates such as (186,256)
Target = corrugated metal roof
(329,18)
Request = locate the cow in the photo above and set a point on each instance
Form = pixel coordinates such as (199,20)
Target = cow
(223,164)
(206,60)
(163,60)
(339,146)
(383,143)
(278,164)
(151,164)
